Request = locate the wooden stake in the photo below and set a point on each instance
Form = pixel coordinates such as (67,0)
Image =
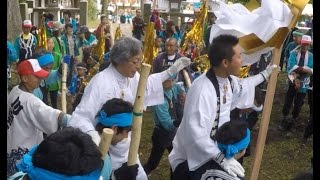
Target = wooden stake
(64,88)
(105,142)
(265,119)
(137,115)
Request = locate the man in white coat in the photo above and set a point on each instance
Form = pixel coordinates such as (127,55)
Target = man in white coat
(120,80)
(208,104)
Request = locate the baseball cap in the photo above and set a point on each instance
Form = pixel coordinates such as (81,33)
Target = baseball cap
(297,33)
(27,24)
(57,25)
(306,39)
(31,66)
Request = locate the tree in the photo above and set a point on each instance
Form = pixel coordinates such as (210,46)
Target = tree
(14,19)
(92,9)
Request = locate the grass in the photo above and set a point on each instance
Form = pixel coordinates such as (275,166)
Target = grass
(283,155)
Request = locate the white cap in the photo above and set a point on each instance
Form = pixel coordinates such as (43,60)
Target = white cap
(306,39)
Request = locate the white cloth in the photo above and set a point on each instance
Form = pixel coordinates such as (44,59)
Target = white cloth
(192,141)
(264,21)
(119,155)
(27,118)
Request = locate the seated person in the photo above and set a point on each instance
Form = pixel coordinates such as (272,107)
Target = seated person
(65,154)
(116,114)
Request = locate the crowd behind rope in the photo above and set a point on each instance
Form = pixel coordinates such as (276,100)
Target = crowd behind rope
(109,104)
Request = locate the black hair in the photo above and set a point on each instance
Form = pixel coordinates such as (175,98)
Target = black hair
(231,132)
(67,12)
(103,16)
(48,16)
(115,106)
(221,48)
(68,151)
(68,25)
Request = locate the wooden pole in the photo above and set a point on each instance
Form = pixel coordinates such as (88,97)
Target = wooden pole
(265,119)
(105,142)
(137,114)
(186,78)
(64,88)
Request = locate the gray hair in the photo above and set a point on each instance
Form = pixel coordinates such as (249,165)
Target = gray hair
(125,48)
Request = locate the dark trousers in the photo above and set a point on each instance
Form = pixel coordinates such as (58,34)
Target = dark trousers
(54,99)
(181,172)
(293,96)
(161,141)
(44,91)
(309,129)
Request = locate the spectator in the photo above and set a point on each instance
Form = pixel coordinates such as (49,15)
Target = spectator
(86,38)
(138,24)
(104,24)
(25,44)
(67,19)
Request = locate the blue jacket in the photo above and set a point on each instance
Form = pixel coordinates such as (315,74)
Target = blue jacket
(87,42)
(25,53)
(293,65)
(65,41)
(161,114)
(11,53)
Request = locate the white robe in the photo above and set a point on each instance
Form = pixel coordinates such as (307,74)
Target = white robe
(27,118)
(192,141)
(109,84)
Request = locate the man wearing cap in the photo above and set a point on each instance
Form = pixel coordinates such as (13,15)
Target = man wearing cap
(296,41)
(59,48)
(26,42)
(27,116)
(300,68)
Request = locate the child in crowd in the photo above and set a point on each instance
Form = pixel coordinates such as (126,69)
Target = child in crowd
(167,118)
(46,60)
(53,83)
(77,80)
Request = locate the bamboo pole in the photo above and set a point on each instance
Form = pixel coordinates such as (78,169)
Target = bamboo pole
(64,87)
(265,119)
(105,142)
(186,78)
(137,114)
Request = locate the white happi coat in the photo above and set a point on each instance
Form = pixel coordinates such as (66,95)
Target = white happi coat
(110,84)
(27,118)
(192,141)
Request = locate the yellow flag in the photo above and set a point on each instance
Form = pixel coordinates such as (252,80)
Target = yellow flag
(42,35)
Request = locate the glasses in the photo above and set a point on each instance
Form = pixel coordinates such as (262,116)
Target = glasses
(136,61)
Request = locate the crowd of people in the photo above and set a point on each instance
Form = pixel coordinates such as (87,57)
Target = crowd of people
(204,127)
